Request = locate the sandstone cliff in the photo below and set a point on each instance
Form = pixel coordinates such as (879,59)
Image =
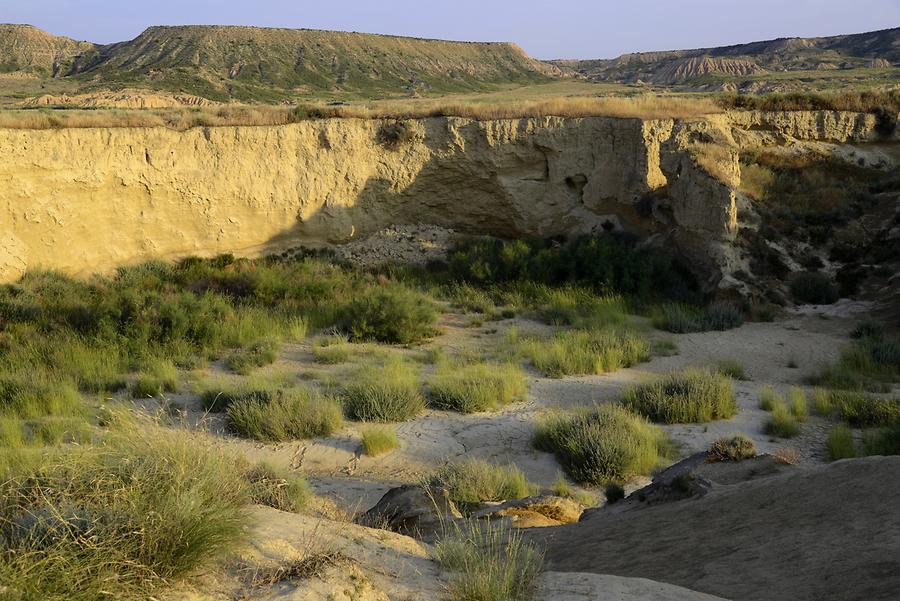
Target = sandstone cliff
(88,200)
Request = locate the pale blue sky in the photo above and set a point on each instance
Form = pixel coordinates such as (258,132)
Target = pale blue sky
(546,29)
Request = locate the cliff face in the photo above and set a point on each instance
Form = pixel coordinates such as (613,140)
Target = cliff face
(88,200)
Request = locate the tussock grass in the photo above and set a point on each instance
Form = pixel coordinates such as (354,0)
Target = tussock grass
(822,402)
(118,520)
(680,318)
(840,443)
(736,447)
(259,354)
(473,387)
(884,441)
(218,395)
(561,488)
(474,481)
(332,349)
(602,444)
(378,440)
(277,488)
(689,396)
(863,410)
(580,352)
(799,408)
(387,393)
(158,376)
(731,368)
(488,562)
(290,414)
(782,423)
(768,398)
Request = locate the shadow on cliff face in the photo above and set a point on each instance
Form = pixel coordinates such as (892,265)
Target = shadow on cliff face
(529,184)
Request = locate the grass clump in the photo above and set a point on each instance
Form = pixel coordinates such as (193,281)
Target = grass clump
(822,402)
(768,398)
(782,422)
(731,368)
(798,404)
(814,288)
(474,387)
(332,349)
(290,414)
(388,393)
(862,410)
(736,447)
(475,481)
(159,376)
(245,360)
(394,314)
(581,352)
(604,444)
(378,440)
(885,441)
(688,396)
(278,489)
(488,563)
(118,520)
(681,318)
(561,488)
(840,443)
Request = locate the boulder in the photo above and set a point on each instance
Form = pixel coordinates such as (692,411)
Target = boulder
(413,511)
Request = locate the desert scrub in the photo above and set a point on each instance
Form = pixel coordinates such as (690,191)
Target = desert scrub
(689,396)
(682,319)
(561,488)
(121,519)
(291,414)
(473,387)
(731,368)
(581,352)
(468,298)
(822,403)
(580,307)
(863,410)
(736,447)
(474,481)
(813,287)
(885,441)
(488,562)
(378,440)
(387,393)
(840,443)
(604,444)
(331,349)
(782,422)
(870,363)
(277,488)
(219,394)
(392,314)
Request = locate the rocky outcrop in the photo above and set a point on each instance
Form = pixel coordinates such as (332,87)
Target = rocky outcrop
(534,512)
(414,511)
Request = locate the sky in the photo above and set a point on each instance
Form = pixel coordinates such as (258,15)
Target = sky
(545,29)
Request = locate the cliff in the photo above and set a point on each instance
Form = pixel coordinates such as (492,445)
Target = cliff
(88,200)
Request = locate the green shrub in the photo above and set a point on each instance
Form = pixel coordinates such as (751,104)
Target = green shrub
(862,410)
(394,314)
(768,398)
(331,349)
(840,443)
(782,423)
(469,299)
(278,489)
(882,442)
(736,447)
(798,404)
(580,352)
(487,563)
(244,361)
(388,393)
(474,387)
(291,414)
(157,376)
(475,481)
(688,396)
(603,444)
(813,287)
(731,368)
(614,493)
(378,440)
(118,520)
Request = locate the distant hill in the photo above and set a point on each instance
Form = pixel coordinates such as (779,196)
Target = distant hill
(251,63)
(877,49)
(29,50)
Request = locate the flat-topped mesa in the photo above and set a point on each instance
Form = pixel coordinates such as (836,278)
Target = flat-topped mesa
(87,200)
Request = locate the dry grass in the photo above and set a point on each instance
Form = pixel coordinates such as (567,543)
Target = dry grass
(640,107)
